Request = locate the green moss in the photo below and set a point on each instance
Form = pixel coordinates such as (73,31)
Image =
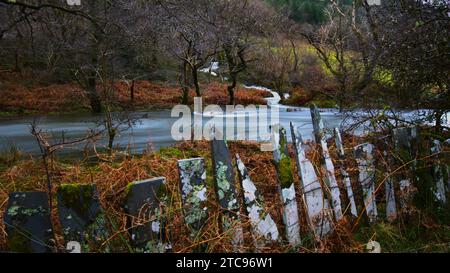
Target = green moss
(284,167)
(77,197)
(127,190)
(171,152)
(285,172)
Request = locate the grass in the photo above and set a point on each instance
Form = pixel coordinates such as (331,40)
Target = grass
(9,157)
(413,238)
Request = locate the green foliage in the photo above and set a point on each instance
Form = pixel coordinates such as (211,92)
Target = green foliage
(304,11)
(323,103)
(171,152)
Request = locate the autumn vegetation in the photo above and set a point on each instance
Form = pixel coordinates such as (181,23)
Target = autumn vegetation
(113,58)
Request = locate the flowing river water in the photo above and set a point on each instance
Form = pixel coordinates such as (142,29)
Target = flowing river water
(150,132)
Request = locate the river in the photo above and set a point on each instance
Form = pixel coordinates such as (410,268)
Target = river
(151,132)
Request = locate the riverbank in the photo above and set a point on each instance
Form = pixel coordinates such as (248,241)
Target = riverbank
(19,99)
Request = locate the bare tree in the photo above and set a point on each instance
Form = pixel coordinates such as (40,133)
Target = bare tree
(419,58)
(48,148)
(348,46)
(237,24)
(194,41)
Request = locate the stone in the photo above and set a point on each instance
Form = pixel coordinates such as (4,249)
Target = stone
(81,217)
(286,185)
(194,194)
(326,162)
(264,228)
(28,224)
(366,167)
(406,148)
(225,188)
(318,211)
(391,203)
(145,205)
(438,173)
(345,176)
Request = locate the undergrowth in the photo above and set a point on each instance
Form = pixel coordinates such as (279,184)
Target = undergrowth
(420,231)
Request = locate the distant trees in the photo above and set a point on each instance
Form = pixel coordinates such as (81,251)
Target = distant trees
(203,29)
(400,48)
(304,11)
(236,24)
(416,51)
(348,46)
(64,42)
(190,38)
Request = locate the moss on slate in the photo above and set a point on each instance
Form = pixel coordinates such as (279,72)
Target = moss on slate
(284,171)
(77,197)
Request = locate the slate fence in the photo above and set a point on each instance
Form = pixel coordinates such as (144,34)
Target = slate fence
(29,227)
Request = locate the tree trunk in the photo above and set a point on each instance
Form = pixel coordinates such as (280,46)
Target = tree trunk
(196,84)
(111,136)
(94,98)
(95,41)
(231,89)
(233,74)
(294,50)
(184,83)
(438,116)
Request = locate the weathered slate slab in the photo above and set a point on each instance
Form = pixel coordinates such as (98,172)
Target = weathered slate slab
(391,204)
(344,173)
(404,138)
(147,217)
(194,194)
(365,160)
(225,188)
(286,183)
(326,162)
(28,224)
(319,214)
(264,227)
(438,173)
(81,217)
